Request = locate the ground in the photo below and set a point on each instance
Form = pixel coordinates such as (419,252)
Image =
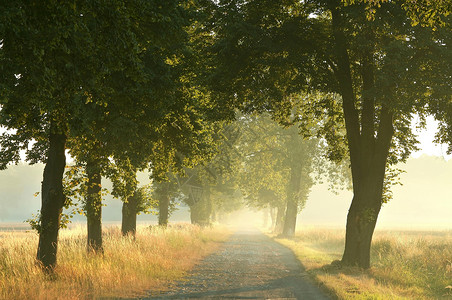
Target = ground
(249,265)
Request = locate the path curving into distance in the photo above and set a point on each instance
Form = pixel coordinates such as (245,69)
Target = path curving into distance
(249,265)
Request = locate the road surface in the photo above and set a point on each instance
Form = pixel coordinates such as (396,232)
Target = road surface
(249,265)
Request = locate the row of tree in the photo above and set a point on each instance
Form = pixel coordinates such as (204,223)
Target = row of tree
(149,84)
(106,82)
(386,60)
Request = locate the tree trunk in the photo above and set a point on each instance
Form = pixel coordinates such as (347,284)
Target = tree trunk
(93,207)
(290,221)
(129,216)
(164,202)
(358,237)
(279,224)
(195,213)
(52,201)
(293,195)
(273,218)
(200,211)
(362,218)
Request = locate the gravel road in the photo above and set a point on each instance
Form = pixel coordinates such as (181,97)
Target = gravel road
(249,265)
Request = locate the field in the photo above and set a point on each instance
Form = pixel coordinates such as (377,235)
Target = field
(405,264)
(128,267)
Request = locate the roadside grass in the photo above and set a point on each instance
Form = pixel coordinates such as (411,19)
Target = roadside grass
(128,267)
(404,264)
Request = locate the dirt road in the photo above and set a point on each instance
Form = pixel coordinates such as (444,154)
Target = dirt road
(248,266)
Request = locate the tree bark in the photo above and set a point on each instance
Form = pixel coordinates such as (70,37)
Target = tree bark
(129,216)
(200,211)
(279,223)
(52,201)
(290,221)
(293,195)
(195,213)
(164,202)
(362,218)
(368,153)
(273,218)
(93,207)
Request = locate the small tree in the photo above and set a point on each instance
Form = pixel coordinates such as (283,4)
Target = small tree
(277,168)
(166,194)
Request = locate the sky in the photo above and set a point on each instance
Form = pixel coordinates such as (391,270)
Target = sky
(426,137)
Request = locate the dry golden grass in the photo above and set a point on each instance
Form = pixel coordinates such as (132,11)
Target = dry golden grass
(128,267)
(405,264)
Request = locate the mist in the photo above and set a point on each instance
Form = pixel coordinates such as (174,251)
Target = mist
(424,200)
(20,197)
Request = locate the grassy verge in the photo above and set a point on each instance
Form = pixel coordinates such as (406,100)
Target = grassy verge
(405,264)
(128,268)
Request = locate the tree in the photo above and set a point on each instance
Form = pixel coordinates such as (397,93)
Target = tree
(123,175)
(440,74)
(212,175)
(426,13)
(40,85)
(57,72)
(278,168)
(266,52)
(83,189)
(166,194)
(376,110)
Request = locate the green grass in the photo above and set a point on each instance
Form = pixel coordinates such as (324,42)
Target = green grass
(128,268)
(405,264)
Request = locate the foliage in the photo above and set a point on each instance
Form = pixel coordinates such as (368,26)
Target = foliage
(270,153)
(168,189)
(265,52)
(297,42)
(146,203)
(425,12)
(74,186)
(392,178)
(123,175)
(215,176)
(58,69)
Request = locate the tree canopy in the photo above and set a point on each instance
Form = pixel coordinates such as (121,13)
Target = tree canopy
(381,66)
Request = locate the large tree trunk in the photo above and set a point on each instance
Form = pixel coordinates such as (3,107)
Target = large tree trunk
(52,201)
(368,140)
(164,202)
(129,216)
(93,206)
(362,216)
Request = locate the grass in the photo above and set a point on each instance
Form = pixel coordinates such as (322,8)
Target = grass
(128,268)
(405,264)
